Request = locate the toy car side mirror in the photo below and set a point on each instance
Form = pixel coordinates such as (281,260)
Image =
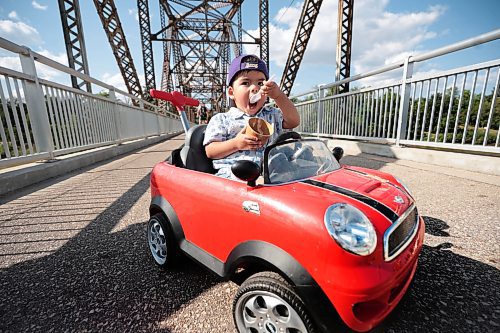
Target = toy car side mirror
(338,153)
(247,171)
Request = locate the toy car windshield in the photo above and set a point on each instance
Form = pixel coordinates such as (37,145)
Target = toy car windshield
(297,159)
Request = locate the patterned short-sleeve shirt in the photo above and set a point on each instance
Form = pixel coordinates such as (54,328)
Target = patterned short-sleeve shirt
(225,126)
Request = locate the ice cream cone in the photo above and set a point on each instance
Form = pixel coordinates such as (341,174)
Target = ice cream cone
(259,128)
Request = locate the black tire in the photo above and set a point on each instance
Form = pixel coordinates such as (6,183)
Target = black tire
(161,242)
(266,302)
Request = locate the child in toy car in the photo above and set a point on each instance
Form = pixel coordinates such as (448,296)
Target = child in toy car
(316,240)
(225,138)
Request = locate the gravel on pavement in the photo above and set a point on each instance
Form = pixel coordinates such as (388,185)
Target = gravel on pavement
(74,257)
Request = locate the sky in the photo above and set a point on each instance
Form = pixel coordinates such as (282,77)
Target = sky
(384,31)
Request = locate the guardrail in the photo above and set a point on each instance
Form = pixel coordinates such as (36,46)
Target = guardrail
(40,119)
(456,109)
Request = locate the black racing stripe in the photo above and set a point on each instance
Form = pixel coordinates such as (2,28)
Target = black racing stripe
(367,200)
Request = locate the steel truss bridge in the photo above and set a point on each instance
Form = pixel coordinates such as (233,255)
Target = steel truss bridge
(455,110)
(199,39)
(70,245)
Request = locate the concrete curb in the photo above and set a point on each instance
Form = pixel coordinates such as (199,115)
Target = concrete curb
(18,177)
(476,163)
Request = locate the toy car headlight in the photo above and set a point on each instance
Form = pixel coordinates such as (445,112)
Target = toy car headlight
(351,229)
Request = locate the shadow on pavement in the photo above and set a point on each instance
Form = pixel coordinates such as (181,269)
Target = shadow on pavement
(98,281)
(450,292)
(102,280)
(363,161)
(436,227)
(7,197)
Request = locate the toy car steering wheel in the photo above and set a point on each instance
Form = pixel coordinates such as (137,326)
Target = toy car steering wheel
(304,153)
(286,136)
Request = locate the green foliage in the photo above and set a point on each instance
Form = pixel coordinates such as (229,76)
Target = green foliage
(466,116)
(12,114)
(103,93)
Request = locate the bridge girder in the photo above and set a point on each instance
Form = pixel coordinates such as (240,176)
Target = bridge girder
(147,48)
(199,30)
(197,37)
(110,20)
(75,42)
(310,11)
(344,39)
(264,31)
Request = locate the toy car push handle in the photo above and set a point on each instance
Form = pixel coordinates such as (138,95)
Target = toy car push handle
(161,95)
(178,100)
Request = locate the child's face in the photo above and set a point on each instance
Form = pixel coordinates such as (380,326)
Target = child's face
(245,86)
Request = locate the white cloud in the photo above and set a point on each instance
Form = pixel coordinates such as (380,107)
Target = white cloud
(115,80)
(48,73)
(61,57)
(281,32)
(134,13)
(38,6)
(24,34)
(13,15)
(11,62)
(20,33)
(380,37)
(43,71)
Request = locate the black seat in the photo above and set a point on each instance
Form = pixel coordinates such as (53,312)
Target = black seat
(193,154)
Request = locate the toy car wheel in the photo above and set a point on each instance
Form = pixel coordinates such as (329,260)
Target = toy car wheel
(266,302)
(161,241)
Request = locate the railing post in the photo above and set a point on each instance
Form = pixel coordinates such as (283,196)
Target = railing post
(157,112)
(37,108)
(116,115)
(143,112)
(405,102)
(321,95)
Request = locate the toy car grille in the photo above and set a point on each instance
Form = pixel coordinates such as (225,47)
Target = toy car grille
(400,234)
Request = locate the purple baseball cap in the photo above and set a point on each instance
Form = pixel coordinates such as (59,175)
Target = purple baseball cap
(246,62)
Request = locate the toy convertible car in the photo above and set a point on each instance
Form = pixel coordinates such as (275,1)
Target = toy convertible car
(313,240)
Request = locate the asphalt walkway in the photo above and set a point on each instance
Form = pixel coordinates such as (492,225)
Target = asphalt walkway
(73,255)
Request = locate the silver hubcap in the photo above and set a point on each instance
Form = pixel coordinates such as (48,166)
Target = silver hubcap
(264,312)
(157,241)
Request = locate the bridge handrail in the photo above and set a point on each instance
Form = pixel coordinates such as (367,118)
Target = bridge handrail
(12,47)
(41,119)
(448,112)
(481,39)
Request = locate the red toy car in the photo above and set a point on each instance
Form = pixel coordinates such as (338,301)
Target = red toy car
(315,239)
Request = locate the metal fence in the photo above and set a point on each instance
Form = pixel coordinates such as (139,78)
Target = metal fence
(455,109)
(40,119)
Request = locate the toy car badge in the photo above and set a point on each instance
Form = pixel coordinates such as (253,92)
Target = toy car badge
(251,207)
(398,199)
(270,327)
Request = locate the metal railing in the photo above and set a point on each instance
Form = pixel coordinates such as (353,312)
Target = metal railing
(40,119)
(456,109)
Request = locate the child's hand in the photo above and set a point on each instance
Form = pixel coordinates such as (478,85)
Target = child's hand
(271,89)
(247,142)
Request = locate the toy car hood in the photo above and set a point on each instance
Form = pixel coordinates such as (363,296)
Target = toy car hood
(361,188)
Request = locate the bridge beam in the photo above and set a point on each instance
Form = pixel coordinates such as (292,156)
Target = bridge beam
(264,31)
(75,42)
(116,37)
(199,39)
(344,39)
(305,26)
(147,48)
